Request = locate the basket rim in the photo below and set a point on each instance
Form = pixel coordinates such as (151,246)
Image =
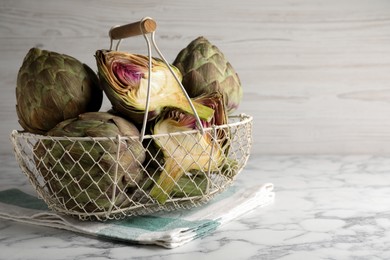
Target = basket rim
(244,119)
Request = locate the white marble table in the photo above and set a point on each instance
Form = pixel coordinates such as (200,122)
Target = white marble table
(327,207)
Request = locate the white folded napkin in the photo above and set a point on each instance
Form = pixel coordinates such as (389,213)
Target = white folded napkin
(167,229)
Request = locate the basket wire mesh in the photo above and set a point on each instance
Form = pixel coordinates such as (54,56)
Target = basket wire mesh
(62,181)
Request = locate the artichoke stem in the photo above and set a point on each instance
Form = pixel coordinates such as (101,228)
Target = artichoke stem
(204,112)
(167,181)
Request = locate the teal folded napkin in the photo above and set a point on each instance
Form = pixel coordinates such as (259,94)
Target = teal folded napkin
(168,229)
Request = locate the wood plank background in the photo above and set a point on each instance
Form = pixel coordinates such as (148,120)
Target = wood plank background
(316,74)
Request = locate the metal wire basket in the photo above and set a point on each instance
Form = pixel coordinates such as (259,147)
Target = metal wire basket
(91,177)
(70,189)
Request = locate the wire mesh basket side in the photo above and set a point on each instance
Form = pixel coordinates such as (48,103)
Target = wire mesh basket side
(112,177)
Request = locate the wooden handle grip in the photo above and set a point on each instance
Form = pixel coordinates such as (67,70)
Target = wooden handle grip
(147,25)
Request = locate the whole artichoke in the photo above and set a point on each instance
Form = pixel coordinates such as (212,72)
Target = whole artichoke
(52,87)
(90,175)
(205,70)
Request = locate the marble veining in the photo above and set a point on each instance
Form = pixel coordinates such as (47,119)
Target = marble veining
(326,207)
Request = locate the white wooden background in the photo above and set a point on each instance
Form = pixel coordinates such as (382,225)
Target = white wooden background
(316,74)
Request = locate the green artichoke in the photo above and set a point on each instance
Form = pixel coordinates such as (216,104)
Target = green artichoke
(205,69)
(192,184)
(190,151)
(124,79)
(90,175)
(52,87)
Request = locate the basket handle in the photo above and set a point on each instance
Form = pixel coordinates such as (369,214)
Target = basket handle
(146,25)
(143,27)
